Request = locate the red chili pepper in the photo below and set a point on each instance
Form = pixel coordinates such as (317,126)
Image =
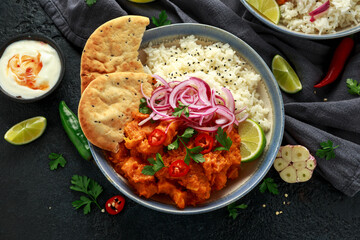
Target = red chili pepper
(205,141)
(157,137)
(115,204)
(342,53)
(178,168)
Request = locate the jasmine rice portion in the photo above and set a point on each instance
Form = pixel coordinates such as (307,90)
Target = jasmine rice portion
(340,15)
(218,65)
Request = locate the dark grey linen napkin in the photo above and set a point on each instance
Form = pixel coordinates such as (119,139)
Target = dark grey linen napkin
(312,116)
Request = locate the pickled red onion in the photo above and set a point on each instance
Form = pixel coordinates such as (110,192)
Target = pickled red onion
(207,111)
(319,10)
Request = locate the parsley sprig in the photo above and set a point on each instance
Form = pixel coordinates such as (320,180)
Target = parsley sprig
(327,150)
(90,2)
(269,184)
(143,107)
(56,160)
(354,86)
(182,108)
(89,187)
(193,153)
(233,209)
(223,139)
(162,20)
(188,133)
(156,165)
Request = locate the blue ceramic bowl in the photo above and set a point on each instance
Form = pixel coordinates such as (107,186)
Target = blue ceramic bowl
(251,173)
(283,29)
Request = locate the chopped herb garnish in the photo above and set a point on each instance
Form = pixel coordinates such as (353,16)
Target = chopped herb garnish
(88,186)
(188,133)
(90,2)
(354,86)
(56,160)
(268,184)
(143,107)
(174,145)
(193,153)
(233,209)
(182,108)
(223,139)
(156,165)
(327,150)
(162,20)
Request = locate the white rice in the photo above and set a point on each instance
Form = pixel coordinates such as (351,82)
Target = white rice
(218,65)
(341,14)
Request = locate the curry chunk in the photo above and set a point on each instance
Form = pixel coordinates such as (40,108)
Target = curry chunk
(144,184)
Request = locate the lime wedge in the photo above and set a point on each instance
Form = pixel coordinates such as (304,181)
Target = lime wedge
(285,75)
(26,131)
(268,8)
(253,140)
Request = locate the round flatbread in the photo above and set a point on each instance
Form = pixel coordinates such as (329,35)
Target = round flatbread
(106,106)
(113,47)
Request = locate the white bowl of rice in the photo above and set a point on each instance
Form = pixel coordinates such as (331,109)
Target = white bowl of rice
(179,51)
(341,19)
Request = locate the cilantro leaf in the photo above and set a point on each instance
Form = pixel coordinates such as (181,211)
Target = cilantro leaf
(143,107)
(156,165)
(174,145)
(83,201)
(148,170)
(90,2)
(88,186)
(188,133)
(162,20)
(56,160)
(182,108)
(268,184)
(223,139)
(353,85)
(195,149)
(232,208)
(327,150)
(198,157)
(193,153)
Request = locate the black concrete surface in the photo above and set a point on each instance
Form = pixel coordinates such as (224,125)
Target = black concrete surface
(35,203)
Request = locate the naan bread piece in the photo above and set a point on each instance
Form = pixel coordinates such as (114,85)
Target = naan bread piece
(106,105)
(113,47)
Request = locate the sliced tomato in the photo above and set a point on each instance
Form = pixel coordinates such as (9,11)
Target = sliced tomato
(205,141)
(157,137)
(178,168)
(115,204)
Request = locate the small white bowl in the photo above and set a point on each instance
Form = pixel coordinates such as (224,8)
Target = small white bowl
(41,38)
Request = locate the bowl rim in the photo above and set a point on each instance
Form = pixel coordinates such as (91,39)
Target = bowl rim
(35,37)
(342,33)
(278,113)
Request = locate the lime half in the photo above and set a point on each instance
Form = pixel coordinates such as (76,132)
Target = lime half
(253,140)
(285,75)
(268,8)
(26,131)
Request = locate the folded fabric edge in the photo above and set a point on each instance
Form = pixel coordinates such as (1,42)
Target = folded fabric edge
(348,184)
(59,20)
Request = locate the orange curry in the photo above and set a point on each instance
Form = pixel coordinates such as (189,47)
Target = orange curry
(193,188)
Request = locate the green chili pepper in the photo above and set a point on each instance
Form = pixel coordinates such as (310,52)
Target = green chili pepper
(72,128)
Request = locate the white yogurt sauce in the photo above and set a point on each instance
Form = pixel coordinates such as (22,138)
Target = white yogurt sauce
(47,76)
